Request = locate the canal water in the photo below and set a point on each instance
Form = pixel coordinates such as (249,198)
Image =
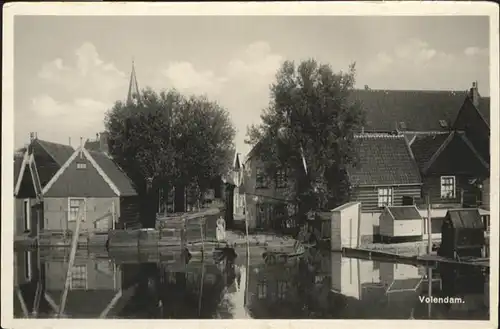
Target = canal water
(318,285)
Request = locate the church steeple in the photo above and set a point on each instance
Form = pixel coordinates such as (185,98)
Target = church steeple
(133,88)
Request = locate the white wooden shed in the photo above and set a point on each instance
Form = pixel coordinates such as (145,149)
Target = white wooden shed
(345,226)
(401,224)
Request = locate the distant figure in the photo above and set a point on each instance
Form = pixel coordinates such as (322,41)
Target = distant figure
(221,229)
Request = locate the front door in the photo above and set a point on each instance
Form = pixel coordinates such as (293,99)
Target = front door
(27,215)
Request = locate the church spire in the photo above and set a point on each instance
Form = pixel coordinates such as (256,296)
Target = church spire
(133,88)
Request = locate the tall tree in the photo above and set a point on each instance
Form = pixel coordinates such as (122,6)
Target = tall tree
(167,137)
(308,130)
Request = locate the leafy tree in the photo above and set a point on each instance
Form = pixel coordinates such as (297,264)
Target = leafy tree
(168,139)
(311,117)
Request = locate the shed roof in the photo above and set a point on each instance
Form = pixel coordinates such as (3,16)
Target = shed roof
(383,159)
(404,212)
(465,218)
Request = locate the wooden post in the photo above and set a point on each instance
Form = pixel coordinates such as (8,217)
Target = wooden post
(202,237)
(429,226)
(72,256)
(429,305)
(201,283)
(113,215)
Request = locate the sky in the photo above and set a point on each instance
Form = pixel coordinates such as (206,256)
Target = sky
(68,71)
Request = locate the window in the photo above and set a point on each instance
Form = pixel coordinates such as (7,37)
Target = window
(78,277)
(261,179)
(81,165)
(262,290)
(74,209)
(281,178)
(282,288)
(402,125)
(448,187)
(384,197)
(27,264)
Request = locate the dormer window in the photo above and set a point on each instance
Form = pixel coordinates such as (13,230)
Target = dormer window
(443,124)
(81,165)
(402,125)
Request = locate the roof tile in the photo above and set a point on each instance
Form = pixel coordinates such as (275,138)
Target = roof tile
(425,146)
(115,173)
(383,159)
(419,110)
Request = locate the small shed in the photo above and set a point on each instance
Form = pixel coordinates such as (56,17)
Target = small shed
(462,234)
(401,224)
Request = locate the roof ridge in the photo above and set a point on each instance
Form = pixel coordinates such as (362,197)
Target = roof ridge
(379,135)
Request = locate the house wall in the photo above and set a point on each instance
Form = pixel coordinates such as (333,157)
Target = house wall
(101,274)
(369,226)
(268,197)
(432,188)
(386,224)
(345,222)
(368,196)
(80,182)
(56,214)
(19,216)
(485,197)
(407,228)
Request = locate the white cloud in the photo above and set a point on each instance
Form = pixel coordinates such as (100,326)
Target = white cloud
(56,121)
(415,61)
(475,51)
(242,86)
(89,76)
(77,95)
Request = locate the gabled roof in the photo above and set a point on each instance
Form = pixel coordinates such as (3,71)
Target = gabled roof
(18,162)
(383,159)
(404,212)
(28,166)
(425,146)
(460,154)
(115,173)
(107,169)
(419,110)
(59,152)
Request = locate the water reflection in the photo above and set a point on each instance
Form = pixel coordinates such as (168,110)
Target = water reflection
(168,286)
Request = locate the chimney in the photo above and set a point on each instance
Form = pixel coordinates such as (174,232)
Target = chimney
(97,136)
(474,94)
(69,141)
(103,142)
(363,129)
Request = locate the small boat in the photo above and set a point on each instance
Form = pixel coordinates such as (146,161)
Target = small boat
(272,256)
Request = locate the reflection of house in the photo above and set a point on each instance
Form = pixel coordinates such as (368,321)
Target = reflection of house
(273,291)
(400,277)
(352,277)
(385,175)
(90,186)
(93,284)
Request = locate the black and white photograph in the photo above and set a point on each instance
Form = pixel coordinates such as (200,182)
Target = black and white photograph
(293,161)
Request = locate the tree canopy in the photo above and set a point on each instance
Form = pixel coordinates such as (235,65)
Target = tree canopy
(311,117)
(167,137)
